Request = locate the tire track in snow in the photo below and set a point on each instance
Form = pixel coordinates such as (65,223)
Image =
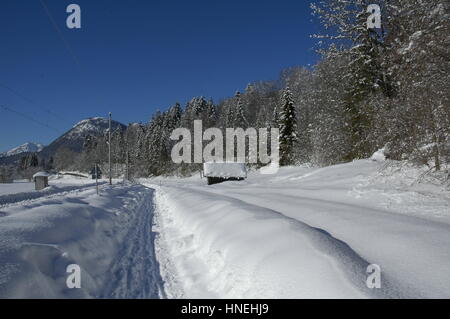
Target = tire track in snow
(135,273)
(347,260)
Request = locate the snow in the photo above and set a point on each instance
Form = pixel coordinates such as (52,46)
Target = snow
(223,248)
(88,123)
(41,174)
(305,233)
(413,40)
(17,187)
(23,191)
(108,236)
(378,156)
(25,148)
(225,170)
(93,126)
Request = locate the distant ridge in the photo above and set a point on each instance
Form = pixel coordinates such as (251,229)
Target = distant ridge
(28,147)
(72,140)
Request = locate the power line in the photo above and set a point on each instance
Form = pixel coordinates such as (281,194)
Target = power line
(58,30)
(30,118)
(34,103)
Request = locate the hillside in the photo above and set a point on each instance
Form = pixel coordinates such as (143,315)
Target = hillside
(74,138)
(28,147)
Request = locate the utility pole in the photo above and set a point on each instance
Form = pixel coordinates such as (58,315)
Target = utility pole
(127,175)
(109,150)
(96,177)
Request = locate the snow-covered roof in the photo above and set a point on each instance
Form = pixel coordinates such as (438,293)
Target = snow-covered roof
(225,170)
(41,174)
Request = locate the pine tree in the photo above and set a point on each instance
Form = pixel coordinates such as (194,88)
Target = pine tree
(239,118)
(417,123)
(211,115)
(365,75)
(329,133)
(288,129)
(34,161)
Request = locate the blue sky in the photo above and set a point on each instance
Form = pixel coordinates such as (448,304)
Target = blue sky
(136,56)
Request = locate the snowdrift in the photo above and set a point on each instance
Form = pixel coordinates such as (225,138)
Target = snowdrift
(229,249)
(108,236)
(286,235)
(51,190)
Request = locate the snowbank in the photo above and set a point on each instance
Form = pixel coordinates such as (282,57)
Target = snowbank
(216,247)
(52,190)
(16,187)
(260,238)
(108,236)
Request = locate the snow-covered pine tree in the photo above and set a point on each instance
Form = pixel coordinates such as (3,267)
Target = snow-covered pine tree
(275,120)
(136,146)
(302,83)
(417,124)
(199,107)
(118,151)
(6,174)
(210,115)
(154,150)
(288,129)
(348,37)
(239,117)
(171,121)
(229,114)
(175,113)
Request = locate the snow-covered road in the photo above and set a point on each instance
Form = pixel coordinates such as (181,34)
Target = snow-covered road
(304,233)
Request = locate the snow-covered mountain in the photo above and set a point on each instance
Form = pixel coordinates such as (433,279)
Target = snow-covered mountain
(25,148)
(93,126)
(74,138)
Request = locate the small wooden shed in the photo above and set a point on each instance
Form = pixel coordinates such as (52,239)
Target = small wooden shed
(41,180)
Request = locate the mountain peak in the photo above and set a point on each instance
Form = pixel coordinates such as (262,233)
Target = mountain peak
(75,137)
(91,121)
(28,147)
(92,126)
